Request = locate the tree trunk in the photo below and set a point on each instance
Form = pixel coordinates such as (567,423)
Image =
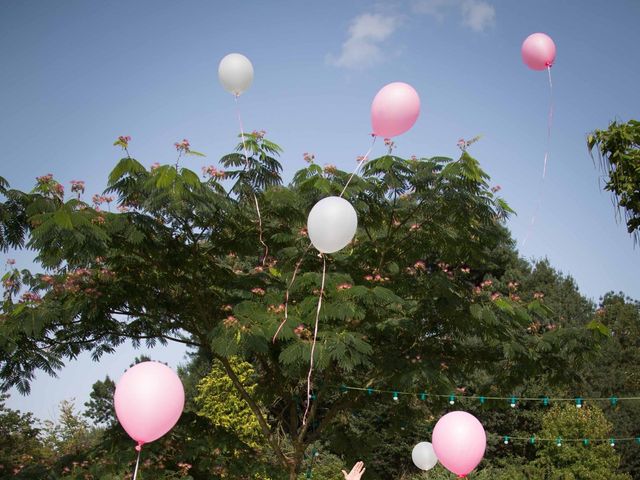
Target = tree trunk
(295,463)
(293,475)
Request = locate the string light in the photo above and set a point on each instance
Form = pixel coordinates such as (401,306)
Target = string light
(508,439)
(561,441)
(512,399)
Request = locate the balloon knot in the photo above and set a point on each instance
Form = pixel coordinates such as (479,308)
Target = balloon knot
(139,446)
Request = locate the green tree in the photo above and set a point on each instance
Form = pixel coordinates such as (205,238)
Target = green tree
(575,461)
(99,408)
(20,443)
(409,304)
(71,434)
(616,373)
(619,150)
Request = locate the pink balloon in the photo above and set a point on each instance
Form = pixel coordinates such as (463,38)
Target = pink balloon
(538,51)
(149,400)
(459,441)
(394,110)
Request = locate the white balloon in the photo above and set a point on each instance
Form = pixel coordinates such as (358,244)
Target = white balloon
(332,223)
(235,73)
(423,456)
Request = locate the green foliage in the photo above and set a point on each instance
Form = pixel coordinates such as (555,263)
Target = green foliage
(322,465)
(71,434)
(260,169)
(617,371)
(13,217)
(100,406)
(575,461)
(219,402)
(20,444)
(619,149)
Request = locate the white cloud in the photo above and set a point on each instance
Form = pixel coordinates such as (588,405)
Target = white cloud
(366,44)
(363,47)
(478,15)
(435,8)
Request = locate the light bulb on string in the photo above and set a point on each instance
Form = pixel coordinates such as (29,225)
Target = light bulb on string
(585,442)
(578,402)
(612,442)
(506,439)
(452,399)
(514,400)
(395,396)
(559,441)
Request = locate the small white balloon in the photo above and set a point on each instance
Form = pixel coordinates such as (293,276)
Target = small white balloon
(331,224)
(423,456)
(235,73)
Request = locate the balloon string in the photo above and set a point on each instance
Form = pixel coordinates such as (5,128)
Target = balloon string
(360,162)
(135,472)
(286,294)
(255,199)
(324,274)
(315,336)
(549,123)
(546,158)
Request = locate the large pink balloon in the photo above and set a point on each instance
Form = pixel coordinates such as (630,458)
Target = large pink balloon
(538,51)
(459,441)
(394,110)
(149,400)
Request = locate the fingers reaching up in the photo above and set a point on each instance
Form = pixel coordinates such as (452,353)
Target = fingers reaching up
(355,473)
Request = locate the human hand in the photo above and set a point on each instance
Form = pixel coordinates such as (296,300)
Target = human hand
(355,473)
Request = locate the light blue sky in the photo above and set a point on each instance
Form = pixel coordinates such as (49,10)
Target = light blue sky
(76,74)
